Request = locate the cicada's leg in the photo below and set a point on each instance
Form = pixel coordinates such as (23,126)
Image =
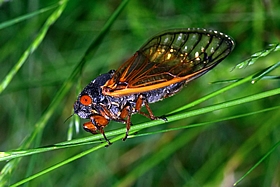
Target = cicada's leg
(126,115)
(89,127)
(141,99)
(97,123)
(101,130)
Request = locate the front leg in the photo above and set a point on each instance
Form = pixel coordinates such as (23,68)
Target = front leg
(97,123)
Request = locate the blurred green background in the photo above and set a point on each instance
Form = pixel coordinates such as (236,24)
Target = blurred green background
(216,154)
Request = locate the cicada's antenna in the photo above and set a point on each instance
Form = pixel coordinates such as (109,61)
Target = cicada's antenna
(69,117)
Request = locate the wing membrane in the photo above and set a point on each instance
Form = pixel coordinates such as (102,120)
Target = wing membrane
(170,57)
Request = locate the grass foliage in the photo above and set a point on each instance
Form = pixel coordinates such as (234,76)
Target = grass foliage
(222,130)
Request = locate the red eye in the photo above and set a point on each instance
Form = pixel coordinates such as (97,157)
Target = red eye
(85,100)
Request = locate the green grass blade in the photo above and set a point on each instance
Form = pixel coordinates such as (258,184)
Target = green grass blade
(196,147)
(27,16)
(265,72)
(258,163)
(154,159)
(90,140)
(256,56)
(64,162)
(11,166)
(255,77)
(34,45)
(39,126)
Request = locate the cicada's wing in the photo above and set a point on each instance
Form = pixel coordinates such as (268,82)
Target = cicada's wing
(168,58)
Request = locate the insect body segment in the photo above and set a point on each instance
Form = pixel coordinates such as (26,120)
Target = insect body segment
(158,70)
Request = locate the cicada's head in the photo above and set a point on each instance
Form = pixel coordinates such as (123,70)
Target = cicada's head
(90,98)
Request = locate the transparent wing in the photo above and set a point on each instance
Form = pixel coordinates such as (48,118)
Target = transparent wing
(170,57)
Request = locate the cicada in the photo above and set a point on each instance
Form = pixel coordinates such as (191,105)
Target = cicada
(159,69)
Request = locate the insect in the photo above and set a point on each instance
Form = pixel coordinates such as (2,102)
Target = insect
(159,69)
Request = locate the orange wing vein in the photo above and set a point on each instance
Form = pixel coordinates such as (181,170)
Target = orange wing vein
(168,58)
